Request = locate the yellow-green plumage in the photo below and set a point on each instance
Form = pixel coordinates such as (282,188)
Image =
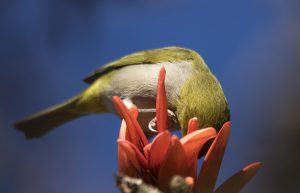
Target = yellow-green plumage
(192,91)
(201,97)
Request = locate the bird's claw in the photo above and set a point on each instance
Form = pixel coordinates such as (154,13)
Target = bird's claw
(152,126)
(172,117)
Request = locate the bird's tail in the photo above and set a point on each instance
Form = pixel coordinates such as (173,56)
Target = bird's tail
(41,123)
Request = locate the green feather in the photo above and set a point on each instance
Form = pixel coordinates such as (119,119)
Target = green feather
(202,97)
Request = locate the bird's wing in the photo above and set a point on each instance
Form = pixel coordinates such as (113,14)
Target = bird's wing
(168,54)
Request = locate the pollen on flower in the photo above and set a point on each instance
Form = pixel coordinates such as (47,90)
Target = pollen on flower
(158,161)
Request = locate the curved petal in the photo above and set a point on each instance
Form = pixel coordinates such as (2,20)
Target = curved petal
(127,160)
(193,125)
(147,150)
(193,142)
(123,128)
(134,130)
(236,182)
(175,163)
(212,162)
(159,149)
(161,102)
(140,157)
(134,111)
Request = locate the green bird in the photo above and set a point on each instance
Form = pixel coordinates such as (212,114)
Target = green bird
(192,91)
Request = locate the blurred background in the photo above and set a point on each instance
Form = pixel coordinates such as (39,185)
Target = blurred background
(48,46)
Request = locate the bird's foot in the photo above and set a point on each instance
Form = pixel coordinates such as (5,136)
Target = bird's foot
(152,126)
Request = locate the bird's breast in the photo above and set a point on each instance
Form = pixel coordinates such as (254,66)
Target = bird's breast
(139,82)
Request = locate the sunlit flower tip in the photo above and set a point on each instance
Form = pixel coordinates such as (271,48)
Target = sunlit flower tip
(161,102)
(193,125)
(253,167)
(189,181)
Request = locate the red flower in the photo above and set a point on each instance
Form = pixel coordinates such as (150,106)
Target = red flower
(157,162)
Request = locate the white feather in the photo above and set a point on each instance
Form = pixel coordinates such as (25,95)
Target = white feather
(135,81)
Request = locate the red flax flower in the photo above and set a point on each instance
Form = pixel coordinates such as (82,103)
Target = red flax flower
(157,162)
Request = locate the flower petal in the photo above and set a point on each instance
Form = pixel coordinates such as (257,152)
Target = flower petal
(135,112)
(147,150)
(123,129)
(212,162)
(127,160)
(134,130)
(175,163)
(159,149)
(236,182)
(193,125)
(193,142)
(140,157)
(161,102)
(192,168)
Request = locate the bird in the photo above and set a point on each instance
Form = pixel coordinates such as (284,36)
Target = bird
(192,91)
